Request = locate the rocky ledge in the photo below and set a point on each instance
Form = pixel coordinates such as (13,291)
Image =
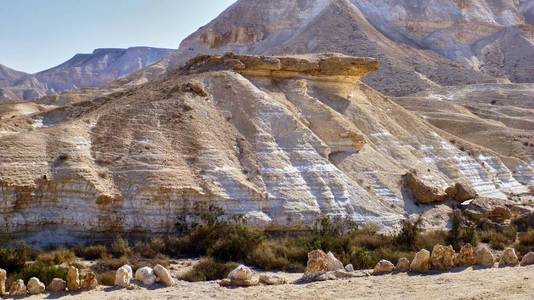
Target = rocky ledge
(326,66)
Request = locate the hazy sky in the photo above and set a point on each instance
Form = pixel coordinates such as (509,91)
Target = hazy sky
(38,34)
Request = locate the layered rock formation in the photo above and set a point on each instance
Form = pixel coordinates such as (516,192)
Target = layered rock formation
(279,140)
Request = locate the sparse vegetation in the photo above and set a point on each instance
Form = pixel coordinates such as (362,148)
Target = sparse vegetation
(208,269)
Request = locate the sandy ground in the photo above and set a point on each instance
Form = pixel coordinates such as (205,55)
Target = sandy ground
(505,283)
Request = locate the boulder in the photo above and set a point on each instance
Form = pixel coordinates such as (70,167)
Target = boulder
(528,259)
(73,279)
(123,276)
(164,275)
(90,282)
(272,279)
(146,275)
(484,257)
(57,285)
(403,265)
(333,263)
(317,262)
(421,261)
(18,288)
(461,191)
(508,258)
(424,191)
(242,276)
(442,258)
(35,286)
(3,278)
(383,267)
(349,268)
(500,214)
(466,256)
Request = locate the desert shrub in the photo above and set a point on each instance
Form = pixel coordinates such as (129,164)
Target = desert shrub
(106,278)
(44,272)
(208,269)
(409,233)
(91,252)
(234,242)
(15,258)
(498,240)
(144,250)
(461,234)
(109,263)
(429,239)
(120,247)
(57,257)
(364,259)
(286,254)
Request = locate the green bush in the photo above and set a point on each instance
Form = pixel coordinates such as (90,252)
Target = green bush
(14,259)
(120,247)
(44,272)
(208,269)
(364,259)
(93,252)
(57,257)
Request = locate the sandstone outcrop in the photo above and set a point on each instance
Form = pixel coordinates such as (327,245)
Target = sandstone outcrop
(272,279)
(463,192)
(73,279)
(90,281)
(35,286)
(57,285)
(317,263)
(403,265)
(164,275)
(466,257)
(333,263)
(527,259)
(123,276)
(484,257)
(421,262)
(241,276)
(3,279)
(383,267)
(423,191)
(508,258)
(442,257)
(18,288)
(145,275)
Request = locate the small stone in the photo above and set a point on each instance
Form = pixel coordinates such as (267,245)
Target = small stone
(317,263)
(146,275)
(35,286)
(90,281)
(508,258)
(484,257)
(243,276)
(18,288)
(442,258)
(123,276)
(164,275)
(57,285)
(466,256)
(3,278)
(349,268)
(528,259)
(421,262)
(272,279)
(403,265)
(73,279)
(333,263)
(383,267)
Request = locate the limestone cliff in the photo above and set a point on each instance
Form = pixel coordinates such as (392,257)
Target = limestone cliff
(279,140)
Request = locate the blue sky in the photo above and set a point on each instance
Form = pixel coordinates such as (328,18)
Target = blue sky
(38,34)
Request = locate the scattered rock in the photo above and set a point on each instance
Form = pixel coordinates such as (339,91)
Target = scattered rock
(484,257)
(163,275)
(508,258)
(35,286)
(195,87)
(333,263)
(424,192)
(273,279)
(466,256)
(123,276)
(421,262)
(317,263)
(73,279)
(3,278)
(145,275)
(349,268)
(528,259)
(403,265)
(383,267)
(442,258)
(18,288)
(464,192)
(242,276)
(57,285)
(500,214)
(90,281)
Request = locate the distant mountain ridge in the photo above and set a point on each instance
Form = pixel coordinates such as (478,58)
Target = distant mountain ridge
(81,71)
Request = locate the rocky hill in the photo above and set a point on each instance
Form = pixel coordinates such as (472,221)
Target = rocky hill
(82,71)
(279,140)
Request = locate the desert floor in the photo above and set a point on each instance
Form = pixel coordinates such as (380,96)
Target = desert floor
(496,283)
